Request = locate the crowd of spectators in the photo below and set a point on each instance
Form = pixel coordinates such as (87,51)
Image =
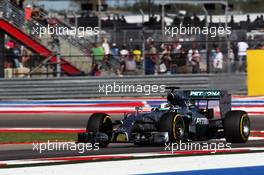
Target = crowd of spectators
(172,58)
(16,55)
(119,60)
(167,58)
(18,59)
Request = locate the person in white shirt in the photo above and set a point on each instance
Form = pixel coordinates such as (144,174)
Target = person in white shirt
(218,61)
(130,64)
(106,47)
(191,52)
(242,47)
(194,59)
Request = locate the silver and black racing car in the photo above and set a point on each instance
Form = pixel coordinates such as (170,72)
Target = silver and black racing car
(188,115)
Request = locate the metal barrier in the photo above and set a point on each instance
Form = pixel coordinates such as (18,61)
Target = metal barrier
(86,87)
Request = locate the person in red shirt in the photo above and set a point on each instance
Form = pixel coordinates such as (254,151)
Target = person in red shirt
(28,13)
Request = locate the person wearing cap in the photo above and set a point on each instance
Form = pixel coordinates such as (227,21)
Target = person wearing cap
(114,51)
(137,55)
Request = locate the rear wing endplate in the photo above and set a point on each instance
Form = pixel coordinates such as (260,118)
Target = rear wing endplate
(222,95)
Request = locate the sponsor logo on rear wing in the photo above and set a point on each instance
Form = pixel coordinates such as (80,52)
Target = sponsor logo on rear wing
(204,94)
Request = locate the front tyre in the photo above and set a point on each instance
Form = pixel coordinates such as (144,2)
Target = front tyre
(236,126)
(174,125)
(101,122)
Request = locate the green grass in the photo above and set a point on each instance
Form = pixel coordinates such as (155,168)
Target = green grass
(36,137)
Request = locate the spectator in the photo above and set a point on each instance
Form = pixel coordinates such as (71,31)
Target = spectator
(124,52)
(261,18)
(248,18)
(106,47)
(183,59)
(257,19)
(130,65)
(194,59)
(175,53)
(10,44)
(218,61)
(191,52)
(97,53)
(115,51)
(165,63)
(28,13)
(97,70)
(212,57)
(124,56)
(25,57)
(242,47)
(54,42)
(151,59)
(123,19)
(195,62)
(137,55)
(16,56)
(176,48)
(232,21)
(182,62)
(115,60)
(231,58)
(8,56)
(35,13)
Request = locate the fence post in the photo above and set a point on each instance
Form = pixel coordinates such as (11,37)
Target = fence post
(58,63)
(2,50)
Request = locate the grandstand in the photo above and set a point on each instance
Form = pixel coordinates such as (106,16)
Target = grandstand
(134,43)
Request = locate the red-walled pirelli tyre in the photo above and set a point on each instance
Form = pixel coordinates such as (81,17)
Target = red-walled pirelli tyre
(100,122)
(174,124)
(236,126)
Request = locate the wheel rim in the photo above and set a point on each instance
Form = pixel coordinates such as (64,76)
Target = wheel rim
(178,130)
(107,126)
(246,127)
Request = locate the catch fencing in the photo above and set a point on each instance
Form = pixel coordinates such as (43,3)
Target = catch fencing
(89,87)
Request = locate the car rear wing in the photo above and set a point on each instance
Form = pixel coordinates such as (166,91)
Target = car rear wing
(204,94)
(222,95)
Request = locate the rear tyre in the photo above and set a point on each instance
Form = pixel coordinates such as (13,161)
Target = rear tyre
(174,125)
(101,122)
(236,126)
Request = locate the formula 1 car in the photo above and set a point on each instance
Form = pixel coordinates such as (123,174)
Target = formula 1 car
(187,116)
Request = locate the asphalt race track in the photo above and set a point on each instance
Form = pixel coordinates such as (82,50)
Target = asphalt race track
(16,152)
(75,120)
